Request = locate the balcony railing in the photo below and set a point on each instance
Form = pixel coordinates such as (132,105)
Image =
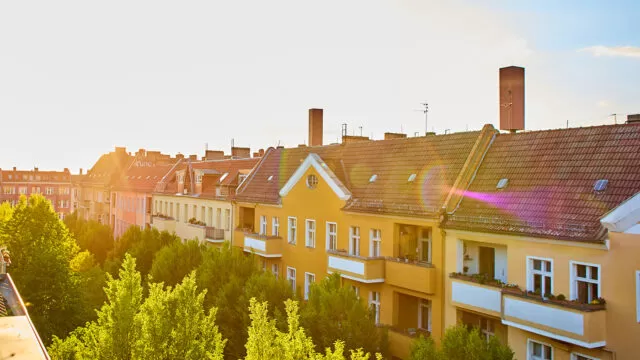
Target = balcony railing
(579,324)
(412,275)
(213,234)
(263,245)
(400,340)
(358,268)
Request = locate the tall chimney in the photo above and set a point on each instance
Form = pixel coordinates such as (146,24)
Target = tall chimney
(315,127)
(512,98)
(80,171)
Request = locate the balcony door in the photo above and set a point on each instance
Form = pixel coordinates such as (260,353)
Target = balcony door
(487,263)
(424,245)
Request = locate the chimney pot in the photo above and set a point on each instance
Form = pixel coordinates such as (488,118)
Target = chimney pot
(315,127)
(80,171)
(14,168)
(511,98)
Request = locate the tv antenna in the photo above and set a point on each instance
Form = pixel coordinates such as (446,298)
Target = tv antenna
(426,113)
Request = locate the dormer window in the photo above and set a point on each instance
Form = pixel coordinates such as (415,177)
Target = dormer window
(199,179)
(180,178)
(241,178)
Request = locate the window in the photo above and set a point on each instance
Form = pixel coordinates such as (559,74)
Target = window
(22,190)
(186,213)
(374,248)
(49,191)
(585,282)
(638,296)
(424,315)
(194,212)
(291,233)
(374,304)
(263,225)
(356,290)
(539,351)
(199,179)
(310,238)
(424,245)
(35,190)
(332,236)
(309,279)
(275,270)
(275,226)
(202,214)
(291,278)
(227,219)
(9,190)
(540,275)
(241,178)
(576,356)
(312,181)
(219,218)
(354,240)
(487,327)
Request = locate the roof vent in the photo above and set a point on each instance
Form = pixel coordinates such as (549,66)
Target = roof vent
(373,178)
(600,185)
(412,177)
(502,183)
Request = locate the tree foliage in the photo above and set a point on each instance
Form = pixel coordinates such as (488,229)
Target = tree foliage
(91,235)
(174,261)
(461,343)
(41,253)
(335,312)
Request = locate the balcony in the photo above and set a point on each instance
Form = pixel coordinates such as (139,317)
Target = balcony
(483,298)
(578,324)
(263,245)
(400,341)
(358,268)
(214,235)
(416,276)
(164,223)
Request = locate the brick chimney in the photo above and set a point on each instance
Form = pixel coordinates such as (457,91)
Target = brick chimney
(315,127)
(511,98)
(80,171)
(348,139)
(633,118)
(214,155)
(179,156)
(240,152)
(193,157)
(389,136)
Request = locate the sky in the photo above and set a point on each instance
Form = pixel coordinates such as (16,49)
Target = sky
(80,77)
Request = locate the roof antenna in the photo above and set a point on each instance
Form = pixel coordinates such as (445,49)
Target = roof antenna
(206,147)
(360,127)
(232,143)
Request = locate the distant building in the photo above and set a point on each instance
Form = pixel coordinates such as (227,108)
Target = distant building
(18,337)
(54,185)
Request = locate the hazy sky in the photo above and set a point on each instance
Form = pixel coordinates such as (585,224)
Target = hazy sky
(80,77)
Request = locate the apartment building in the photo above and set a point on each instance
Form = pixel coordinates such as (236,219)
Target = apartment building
(93,190)
(131,196)
(194,199)
(369,210)
(54,185)
(547,229)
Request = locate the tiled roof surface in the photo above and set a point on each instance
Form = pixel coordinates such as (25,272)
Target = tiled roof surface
(436,160)
(143,178)
(107,166)
(551,175)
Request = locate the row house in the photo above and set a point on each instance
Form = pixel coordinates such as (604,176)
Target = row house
(56,186)
(369,210)
(93,189)
(194,199)
(543,250)
(130,203)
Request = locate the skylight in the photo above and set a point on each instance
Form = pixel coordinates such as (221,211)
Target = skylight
(601,185)
(373,178)
(224,176)
(412,177)
(502,183)
(270,178)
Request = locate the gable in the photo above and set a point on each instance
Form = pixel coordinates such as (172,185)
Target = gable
(313,160)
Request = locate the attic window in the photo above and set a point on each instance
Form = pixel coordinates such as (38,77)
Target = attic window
(502,183)
(270,178)
(601,185)
(312,181)
(224,176)
(412,178)
(373,178)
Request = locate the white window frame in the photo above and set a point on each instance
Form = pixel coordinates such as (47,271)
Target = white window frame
(422,304)
(574,356)
(374,301)
(291,279)
(354,240)
(573,277)
(330,234)
(530,343)
(638,296)
(275,269)
(356,289)
(375,242)
(227,219)
(275,226)
(307,283)
(531,272)
(310,233)
(263,225)
(292,230)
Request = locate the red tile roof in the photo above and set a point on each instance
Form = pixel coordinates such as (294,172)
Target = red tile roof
(436,161)
(142,179)
(108,168)
(551,176)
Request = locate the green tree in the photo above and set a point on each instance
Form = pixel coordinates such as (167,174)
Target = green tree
(173,262)
(142,245)
(335,312)
(90,279)
(461,343)
(41,253)
(91,235)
